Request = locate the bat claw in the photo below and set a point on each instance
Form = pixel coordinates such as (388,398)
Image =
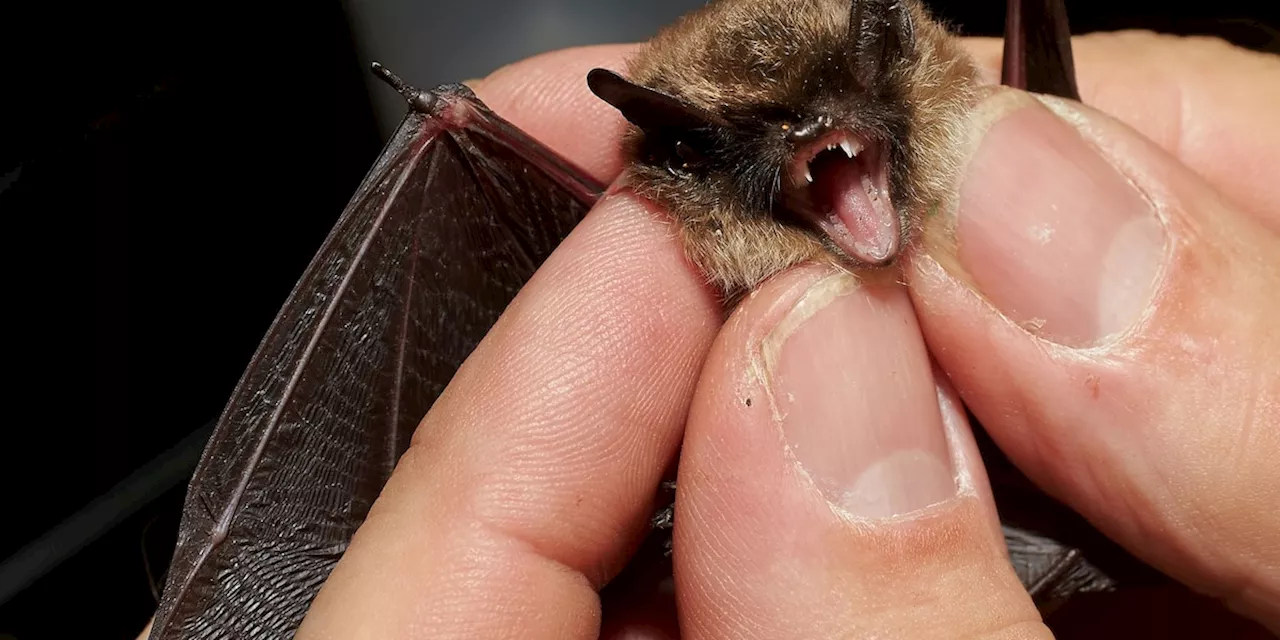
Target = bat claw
(418,99)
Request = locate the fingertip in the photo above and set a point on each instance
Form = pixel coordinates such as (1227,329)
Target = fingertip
(809,507)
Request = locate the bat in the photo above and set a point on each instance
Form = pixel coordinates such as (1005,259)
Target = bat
(783,131)
(805,131)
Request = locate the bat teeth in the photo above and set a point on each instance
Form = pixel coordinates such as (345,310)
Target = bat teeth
(845,141)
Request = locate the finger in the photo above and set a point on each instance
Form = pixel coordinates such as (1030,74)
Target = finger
(828,488)
(1206,102)
(532,478)
(1109,319)
(547,97)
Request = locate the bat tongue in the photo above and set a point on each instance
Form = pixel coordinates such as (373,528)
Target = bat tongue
(861,219)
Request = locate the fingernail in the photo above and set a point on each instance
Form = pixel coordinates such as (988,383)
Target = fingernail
(1050,231)
(855,397)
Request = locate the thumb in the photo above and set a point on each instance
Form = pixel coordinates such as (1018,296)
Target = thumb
(1109,319)
(828,487)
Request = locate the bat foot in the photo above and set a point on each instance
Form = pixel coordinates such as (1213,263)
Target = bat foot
(664,519)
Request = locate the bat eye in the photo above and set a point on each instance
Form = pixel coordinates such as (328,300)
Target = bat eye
(684,160)
(688,155)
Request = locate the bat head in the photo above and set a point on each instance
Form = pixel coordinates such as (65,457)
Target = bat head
(778,131)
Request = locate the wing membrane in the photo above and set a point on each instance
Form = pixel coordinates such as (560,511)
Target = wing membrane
(455,216)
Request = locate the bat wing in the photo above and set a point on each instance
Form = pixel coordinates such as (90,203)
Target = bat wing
(1056,553)
(454,217)
(1037,48)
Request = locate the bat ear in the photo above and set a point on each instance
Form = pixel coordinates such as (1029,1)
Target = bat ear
(1037,48)
(650,110)
(881,33)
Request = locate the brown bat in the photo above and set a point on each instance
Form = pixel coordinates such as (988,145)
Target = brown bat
(775,131)
(782,131)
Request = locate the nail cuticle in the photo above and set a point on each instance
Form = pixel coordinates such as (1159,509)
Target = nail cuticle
(813,300)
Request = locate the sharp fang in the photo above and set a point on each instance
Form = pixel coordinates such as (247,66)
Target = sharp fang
(847,147)
(808,177)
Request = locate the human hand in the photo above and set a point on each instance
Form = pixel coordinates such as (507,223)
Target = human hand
(529,485)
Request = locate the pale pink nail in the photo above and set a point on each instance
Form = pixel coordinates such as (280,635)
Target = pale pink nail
(855,396)
(1052,234)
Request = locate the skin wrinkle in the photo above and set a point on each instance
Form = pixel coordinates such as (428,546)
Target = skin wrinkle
(511,530)
(496,511)
(480,555)
(718,542)
(716,539)
(1212,369)
(1209,523)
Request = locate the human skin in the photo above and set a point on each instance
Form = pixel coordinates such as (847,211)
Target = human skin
(1134,377)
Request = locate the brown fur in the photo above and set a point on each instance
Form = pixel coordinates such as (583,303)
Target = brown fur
(750,60)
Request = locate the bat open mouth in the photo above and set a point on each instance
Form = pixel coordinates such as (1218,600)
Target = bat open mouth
(841,183)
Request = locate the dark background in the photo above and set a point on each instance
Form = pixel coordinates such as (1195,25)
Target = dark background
(167,170)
